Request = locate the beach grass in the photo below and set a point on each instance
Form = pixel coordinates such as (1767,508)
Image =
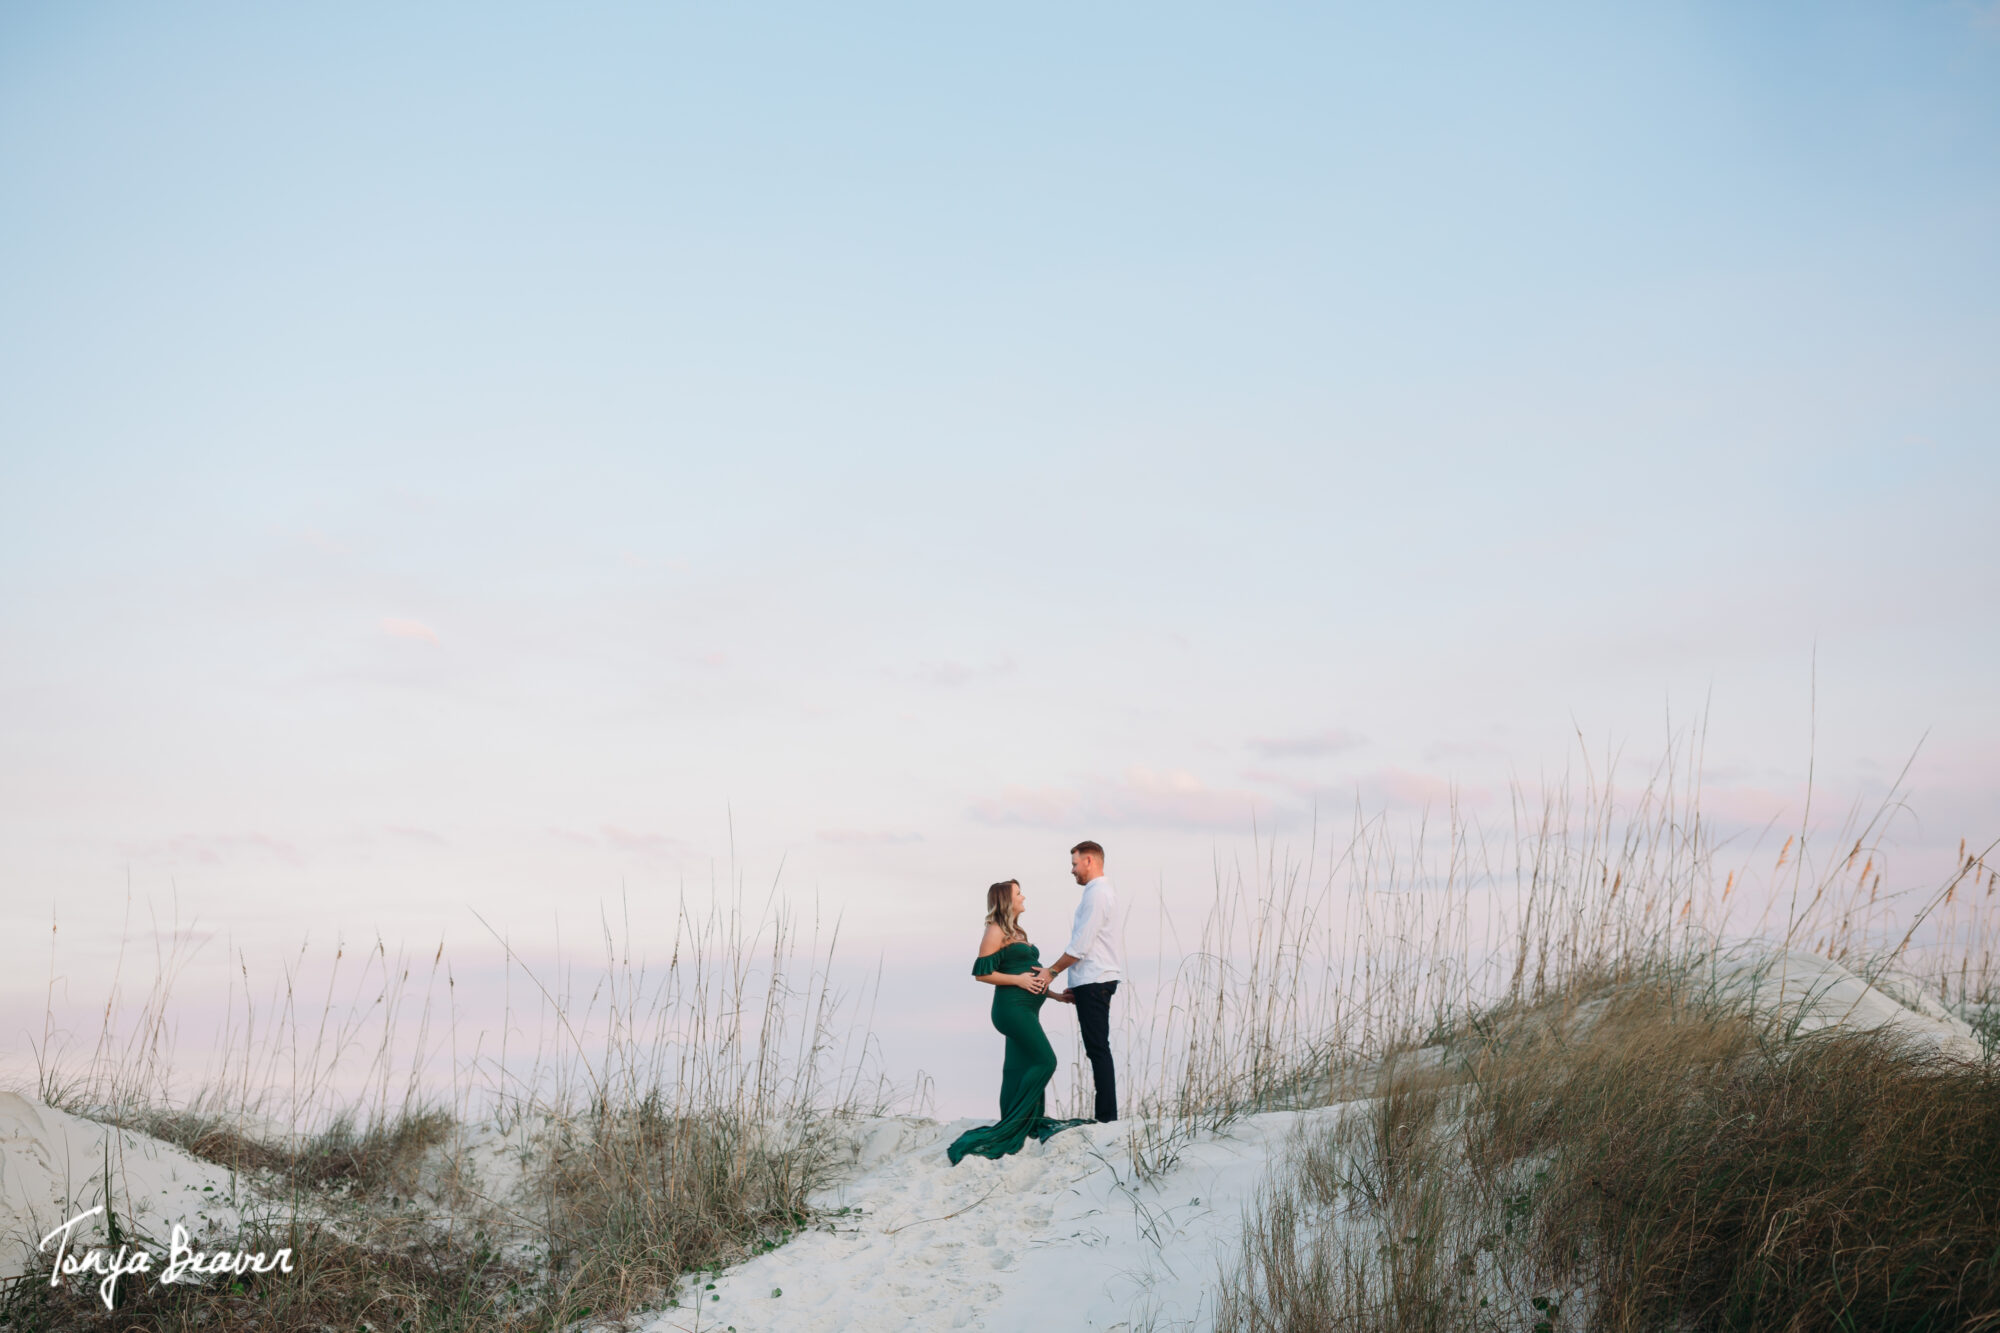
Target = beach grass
(676,1121)
(1565,1121)
(1667,1162)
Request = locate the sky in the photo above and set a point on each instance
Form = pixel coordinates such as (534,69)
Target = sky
(493,460)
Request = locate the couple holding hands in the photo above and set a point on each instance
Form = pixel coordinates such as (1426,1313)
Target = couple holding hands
(1021,981)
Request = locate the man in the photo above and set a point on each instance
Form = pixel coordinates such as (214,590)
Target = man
(1095,970)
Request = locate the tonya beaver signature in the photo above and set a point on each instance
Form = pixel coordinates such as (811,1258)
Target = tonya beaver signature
(183,1261)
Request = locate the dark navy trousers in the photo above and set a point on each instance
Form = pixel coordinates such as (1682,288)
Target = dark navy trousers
(1093,1016)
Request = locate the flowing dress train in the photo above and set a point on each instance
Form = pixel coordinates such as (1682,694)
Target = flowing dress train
(1024,1077)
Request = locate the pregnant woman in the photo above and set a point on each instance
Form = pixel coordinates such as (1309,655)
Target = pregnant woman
(1007,963)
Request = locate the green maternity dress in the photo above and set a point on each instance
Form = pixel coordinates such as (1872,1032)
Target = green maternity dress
(1030,1062)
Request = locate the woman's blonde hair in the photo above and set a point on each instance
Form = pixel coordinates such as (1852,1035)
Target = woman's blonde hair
(1000,909)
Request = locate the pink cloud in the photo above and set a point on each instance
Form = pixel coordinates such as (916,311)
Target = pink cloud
(1465,750)
(645,844)
(1384,787)
(1748,806)
(951,674)
(862,837)
(946,673)
(1331,741)
(397,627)
(1297,786)
(1399,787)
(215,848)
(1142,798)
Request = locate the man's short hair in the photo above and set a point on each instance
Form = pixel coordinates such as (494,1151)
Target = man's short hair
(1088,848)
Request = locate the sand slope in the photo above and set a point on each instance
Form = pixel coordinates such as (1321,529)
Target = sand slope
(1815,993)
(53,1166)
(1062,1234)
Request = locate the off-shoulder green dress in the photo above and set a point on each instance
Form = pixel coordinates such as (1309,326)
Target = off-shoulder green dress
(1024,1078)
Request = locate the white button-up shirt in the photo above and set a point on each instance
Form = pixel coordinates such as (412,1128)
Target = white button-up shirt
(1093,937)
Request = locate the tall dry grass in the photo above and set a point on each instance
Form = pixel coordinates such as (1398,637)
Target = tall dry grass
(1659,1160)
(1558,1118)
(1384,934)
(674,1118)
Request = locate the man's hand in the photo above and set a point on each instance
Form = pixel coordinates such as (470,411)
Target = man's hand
(1067,997)
(1033,982)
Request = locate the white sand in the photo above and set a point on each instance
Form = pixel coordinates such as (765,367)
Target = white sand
(53,1166)
(1059,1234)
(1817,993)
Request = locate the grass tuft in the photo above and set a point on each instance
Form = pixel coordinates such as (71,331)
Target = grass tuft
(642,1195)
(1555,1104)
(1663,1163)
(690,1135)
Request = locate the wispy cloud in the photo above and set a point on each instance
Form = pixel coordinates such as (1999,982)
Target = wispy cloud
(216,848)
(399,627)
(946,673)
(865,837)
(415,834)
(952,673)
(644,844)
(1747,806)
(1382,788)
(1464,749)
(1416,791)
(1332,741)
(619,838)
(1141,798)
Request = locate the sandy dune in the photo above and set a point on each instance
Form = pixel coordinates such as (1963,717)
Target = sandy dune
(1060,1234)
(54,1165)
(1815,993)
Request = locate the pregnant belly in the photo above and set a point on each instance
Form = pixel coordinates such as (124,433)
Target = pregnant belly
(1014,1002)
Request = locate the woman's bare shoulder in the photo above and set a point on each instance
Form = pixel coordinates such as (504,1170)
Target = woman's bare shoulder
(991,941)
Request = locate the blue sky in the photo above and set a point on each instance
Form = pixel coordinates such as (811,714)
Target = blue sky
(473,455)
